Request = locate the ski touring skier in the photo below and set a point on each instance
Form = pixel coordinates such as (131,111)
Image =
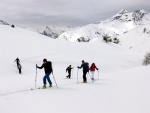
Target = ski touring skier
(85,67)
(18,64)
(92,69)
(69,71)
(47,65)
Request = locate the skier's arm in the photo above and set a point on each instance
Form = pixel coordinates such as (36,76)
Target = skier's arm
(80,66)
(96,67)
(40,67)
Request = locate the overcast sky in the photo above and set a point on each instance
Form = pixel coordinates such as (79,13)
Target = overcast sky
(25,13)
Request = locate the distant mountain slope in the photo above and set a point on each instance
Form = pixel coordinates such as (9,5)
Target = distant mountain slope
(137,39)
(120,23)
(54,32)
(3,23)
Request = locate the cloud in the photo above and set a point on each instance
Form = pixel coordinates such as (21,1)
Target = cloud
(75,12)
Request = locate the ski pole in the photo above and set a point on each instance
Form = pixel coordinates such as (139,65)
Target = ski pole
(98,74)
(72,73)
(90,77)
(77,75)
(36,75)
(54,80)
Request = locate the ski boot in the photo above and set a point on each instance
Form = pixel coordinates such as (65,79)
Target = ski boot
(44,86)
(50,85)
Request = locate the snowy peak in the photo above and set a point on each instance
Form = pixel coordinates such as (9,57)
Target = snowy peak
(138,15)
(48,32)
(3,23)
(119,15)
(125,16)
(123,11)
(55,31)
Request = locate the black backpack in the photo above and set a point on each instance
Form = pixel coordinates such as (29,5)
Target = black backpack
(86,67)
(49,64)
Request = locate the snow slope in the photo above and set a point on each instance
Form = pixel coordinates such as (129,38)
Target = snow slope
(137,39)
(123,85)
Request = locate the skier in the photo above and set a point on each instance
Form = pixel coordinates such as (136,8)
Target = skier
(69,71)
(85,67)
(92,69)
(48,70)
(18,65)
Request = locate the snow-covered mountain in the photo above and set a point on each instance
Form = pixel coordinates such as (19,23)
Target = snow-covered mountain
(48,32)
(54,32)
(120,23)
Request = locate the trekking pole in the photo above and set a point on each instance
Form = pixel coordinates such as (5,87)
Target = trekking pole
(54,80)
(72,73)
(90,77)
(77,75)
(98,74)
(36,75)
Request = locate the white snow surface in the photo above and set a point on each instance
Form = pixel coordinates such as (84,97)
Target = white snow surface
(123,85)
(137,39)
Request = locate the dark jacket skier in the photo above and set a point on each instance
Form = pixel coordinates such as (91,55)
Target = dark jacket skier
(85,67)
(47,65)
(69,71)
(18,64)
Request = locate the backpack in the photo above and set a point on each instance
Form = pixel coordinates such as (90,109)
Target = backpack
(49,64)
(86,67)
(67,69)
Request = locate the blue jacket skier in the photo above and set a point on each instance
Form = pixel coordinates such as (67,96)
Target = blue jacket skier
(47,65)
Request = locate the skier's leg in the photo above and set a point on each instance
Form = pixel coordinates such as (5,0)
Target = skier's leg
(48,79)
(44,79)
(84,76)
(20,70)
(44,82)
(92,75)
(69,74)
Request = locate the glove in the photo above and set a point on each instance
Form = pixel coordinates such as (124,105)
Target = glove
(78,67)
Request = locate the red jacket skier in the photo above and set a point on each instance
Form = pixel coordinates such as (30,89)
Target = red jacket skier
(92,69)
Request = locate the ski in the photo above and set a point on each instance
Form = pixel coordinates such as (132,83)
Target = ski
(35,88)
(40,88)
